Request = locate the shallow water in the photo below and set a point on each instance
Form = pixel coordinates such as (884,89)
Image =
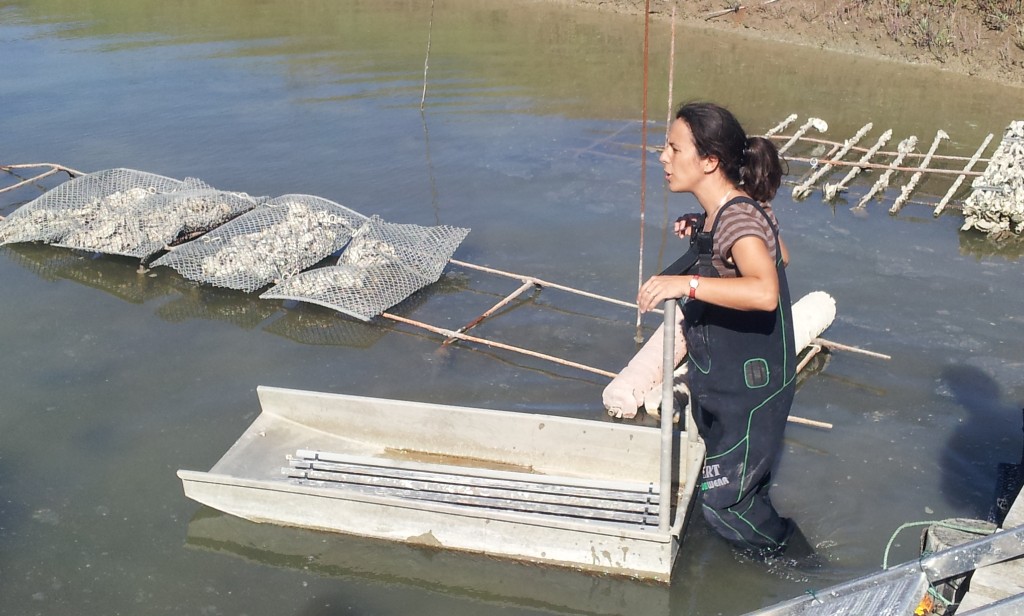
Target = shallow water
(114,379)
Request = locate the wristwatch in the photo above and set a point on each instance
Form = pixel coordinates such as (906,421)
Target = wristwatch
(694,283)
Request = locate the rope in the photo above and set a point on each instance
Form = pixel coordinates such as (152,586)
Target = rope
(944,524)
(938,595)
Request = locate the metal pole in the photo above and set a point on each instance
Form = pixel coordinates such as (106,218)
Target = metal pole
(667,412)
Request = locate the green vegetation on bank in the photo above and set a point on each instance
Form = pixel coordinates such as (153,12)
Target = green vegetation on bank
(942,27)
(975,37)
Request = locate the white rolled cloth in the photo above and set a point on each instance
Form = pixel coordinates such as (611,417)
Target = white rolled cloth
(639,383)
(627,391)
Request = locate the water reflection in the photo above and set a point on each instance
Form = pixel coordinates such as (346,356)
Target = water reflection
(245,310)
(321,327)
(117,276)
(124,279)
(982,246)
(306,324)
(476,581)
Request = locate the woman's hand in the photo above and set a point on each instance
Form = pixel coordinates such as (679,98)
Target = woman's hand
(685,225)
(659,288)
(755,288)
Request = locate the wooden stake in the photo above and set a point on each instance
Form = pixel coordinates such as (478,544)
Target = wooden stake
(814,162)
(828,344)
(809,422)
(781,126)
(54,169)
(68,170)
(498,345)
(960,178)
(817,123)
(813,349)
(881,153)
(892,166)
(542,283)
(904,148)
(465,328)
(905,192)
(805,189)
(832,190)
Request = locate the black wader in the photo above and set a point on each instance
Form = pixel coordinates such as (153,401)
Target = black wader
(742,369)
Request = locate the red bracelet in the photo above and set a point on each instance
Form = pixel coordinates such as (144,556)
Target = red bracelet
(694,282)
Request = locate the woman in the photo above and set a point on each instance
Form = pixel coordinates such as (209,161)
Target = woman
(736,318)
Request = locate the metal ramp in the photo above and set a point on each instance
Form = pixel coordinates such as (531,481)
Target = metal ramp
(895,592)
(632,505)
(899,590)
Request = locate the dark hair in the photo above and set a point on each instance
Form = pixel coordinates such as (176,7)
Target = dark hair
(750,162)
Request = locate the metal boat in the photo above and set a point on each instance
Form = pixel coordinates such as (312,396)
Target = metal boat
(580,493)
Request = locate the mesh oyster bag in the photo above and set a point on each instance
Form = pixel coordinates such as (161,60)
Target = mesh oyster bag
(382,265)
(79,202)
(141,228)
(268,244)
(997,201)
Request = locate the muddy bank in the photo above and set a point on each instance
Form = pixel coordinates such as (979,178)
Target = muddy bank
(982,39)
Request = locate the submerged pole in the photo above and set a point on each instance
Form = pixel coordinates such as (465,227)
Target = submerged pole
(667,412)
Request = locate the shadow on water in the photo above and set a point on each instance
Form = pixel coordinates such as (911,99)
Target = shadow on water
(117,276)
(972,455)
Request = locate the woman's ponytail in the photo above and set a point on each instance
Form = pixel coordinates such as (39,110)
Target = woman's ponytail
(760,169)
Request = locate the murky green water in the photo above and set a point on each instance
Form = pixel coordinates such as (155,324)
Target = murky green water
(113,380)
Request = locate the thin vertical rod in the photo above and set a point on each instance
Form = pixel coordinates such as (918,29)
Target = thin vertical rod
(643,163)
(671,70)
(426,60)
(667,415)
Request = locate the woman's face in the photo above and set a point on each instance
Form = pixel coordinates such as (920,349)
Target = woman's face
(684,167)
